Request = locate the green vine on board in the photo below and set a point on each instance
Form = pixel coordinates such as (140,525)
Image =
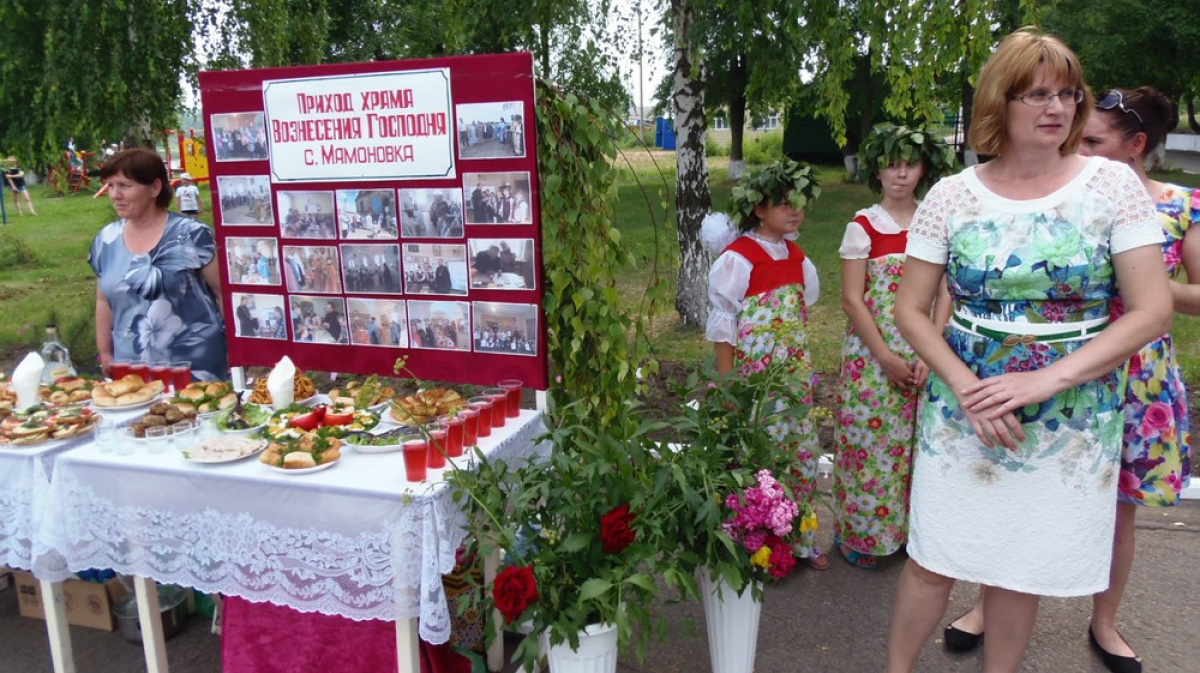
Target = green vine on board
(595,347)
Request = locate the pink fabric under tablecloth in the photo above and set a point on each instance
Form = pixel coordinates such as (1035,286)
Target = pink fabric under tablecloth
(269,638)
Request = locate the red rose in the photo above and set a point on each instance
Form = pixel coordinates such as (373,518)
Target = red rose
(514,590)
(616,530)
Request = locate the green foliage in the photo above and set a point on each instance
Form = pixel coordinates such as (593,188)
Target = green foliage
(764,148)
(890,144)
(785,181)
(15,253)
(714,148)
(594,346)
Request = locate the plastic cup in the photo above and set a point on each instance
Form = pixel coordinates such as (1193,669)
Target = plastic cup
(205,429)
(453,425)
(118,369)
(416,456)
(108,435)
(483,405)
(437,447)
(140,368)
(470,425)
(181,375)
(513,386)
(161,371)
(184,433)
(499,405)
(157,438)
(126,441)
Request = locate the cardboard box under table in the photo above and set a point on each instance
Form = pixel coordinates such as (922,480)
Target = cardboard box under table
(89,604)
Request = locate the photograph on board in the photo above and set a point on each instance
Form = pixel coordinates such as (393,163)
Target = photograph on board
(252,260)
(239,136)
(431,213)
(312,269)
(245,200)
(318,319)
(508,329)
(502,263)
(259,316)
(435,268)
(306,215)
(367,213)
(441,325)
(371,269)
(491,130)
(377,322)
(497,198)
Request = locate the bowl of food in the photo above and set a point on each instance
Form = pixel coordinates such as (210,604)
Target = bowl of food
(383,442)
(242,419)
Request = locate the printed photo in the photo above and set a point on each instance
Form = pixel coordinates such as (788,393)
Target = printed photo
(252,261)
(431,213)
(502,263)
(318,319)
(312,268)
(377,322)
(507,329)
(371,269)
(441,325)
(435,268)
(491,130)
(245,201)
(240,136)
(306,215)
(367,213)
(259,316)
(497,198)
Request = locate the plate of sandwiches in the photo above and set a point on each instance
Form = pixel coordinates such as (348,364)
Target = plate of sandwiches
(126,393)
(39,425)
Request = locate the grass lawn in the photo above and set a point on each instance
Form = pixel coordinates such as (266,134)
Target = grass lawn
(44,274)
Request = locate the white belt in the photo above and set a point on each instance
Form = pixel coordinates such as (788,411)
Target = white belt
(1011,333)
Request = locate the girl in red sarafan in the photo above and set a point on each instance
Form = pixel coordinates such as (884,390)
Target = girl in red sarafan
(881,377)
(759,289)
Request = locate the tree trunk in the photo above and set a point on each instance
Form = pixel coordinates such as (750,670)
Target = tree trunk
(1191,109)
(693,197)
(738,79)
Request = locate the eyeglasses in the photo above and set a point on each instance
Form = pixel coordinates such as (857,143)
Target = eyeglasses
(1116,99)
(1042,98)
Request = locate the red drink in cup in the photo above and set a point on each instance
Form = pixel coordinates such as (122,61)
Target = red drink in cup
(470,426)
(499,398)
(161,371)
(118,369)
(453,425)
(140,368)
(513,386)
(437,448)
(484,406)
(416,456)
(181,375)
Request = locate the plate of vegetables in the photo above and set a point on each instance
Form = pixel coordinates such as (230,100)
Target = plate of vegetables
(334,420)
(242,419)
(383,442)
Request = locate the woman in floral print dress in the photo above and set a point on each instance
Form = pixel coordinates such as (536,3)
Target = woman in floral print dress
(759,289)
(881,378)
(1020,437)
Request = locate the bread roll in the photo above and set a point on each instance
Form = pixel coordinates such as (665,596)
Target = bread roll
(119,388)
(215,389)
(191,393)
(101,396)
(80,395)
(157,386)
(227,401)
(298,460)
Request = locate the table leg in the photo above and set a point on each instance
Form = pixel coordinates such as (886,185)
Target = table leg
(154,644)
(408,646)
(55,607)
(495,653)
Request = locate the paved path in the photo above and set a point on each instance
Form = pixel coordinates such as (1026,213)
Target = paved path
(830,622)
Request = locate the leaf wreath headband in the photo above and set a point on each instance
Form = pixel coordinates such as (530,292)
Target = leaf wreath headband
(785,181)
(889,144)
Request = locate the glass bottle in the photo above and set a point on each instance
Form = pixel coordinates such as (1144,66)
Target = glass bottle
(56,356)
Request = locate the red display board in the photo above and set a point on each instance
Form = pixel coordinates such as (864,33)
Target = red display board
(366,211)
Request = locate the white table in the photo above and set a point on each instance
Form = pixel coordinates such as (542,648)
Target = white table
(355,540)
(24,476)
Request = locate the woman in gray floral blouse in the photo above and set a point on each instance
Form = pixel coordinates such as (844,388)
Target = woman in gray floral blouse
(158,290)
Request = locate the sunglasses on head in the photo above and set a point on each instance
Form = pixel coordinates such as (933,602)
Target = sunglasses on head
(1116,100)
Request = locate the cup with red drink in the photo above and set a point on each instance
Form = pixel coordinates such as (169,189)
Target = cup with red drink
(160,370)
(470,418)
(119,369)
(499,397)
(453,425)
(437,447)
(483,406)
(140,368)
(181,375)
(416,458)
(513,386)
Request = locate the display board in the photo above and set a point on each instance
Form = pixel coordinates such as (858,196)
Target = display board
(366,211)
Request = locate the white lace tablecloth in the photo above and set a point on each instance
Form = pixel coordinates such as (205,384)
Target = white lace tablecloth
(354,540)
(24,474)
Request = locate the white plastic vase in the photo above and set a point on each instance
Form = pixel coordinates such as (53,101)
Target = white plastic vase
(597,651)
(732,622)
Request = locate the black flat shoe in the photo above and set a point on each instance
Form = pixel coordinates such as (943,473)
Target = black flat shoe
(1115,662)
(959,641)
